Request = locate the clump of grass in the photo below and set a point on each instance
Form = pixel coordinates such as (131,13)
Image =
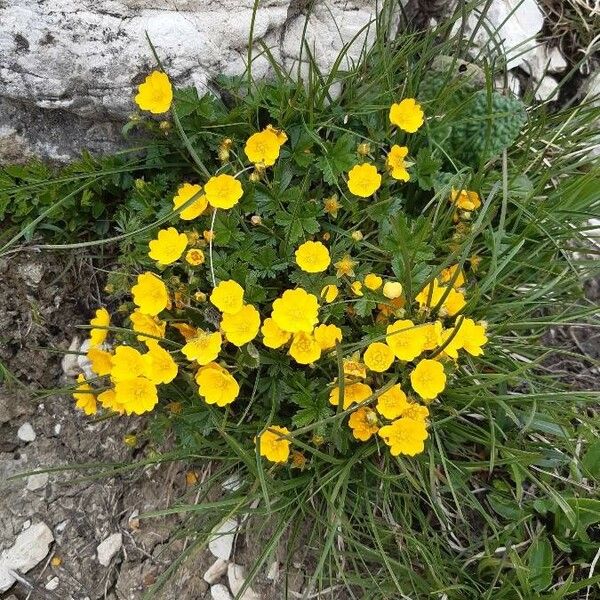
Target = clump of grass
(502,503)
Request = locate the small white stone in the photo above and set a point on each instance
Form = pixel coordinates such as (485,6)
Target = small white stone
(232,483)
(221,543)
(37,481)
(26,525)
(220,592)
(26,433)
(236,576)
(30,548)
(69,361)
(215,571)
(546,89)
(61,526)
(57,429)
(108,548)
(273,572)
(52,584)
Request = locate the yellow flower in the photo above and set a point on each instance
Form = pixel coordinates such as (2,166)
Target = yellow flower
(137,395)
(204,347)
(217,385)
(392,403)
(102,319)
(392,289)
(407,115)
(453,339)
(357,236)
(305,349)
(373,282)
(273,335)
(223,191)
(327,336)
(85,400)
(127,363)
(228,296)
(160,366)
(241,327)
(447,274)
(465,199)
(454,303)
(263,147)
(298,460)
(345,266)
(329,293)
(281,135)
(273,446)
(416,411)
(353,367)
(356,287)
(194,257)
(332,205)
(378,357)
(150,294)
(185,193)
(354,393)
(405,436)
(145,324)
(108,399)
(155,94)
(405,340)
(101,361)
(363,422)
(396,163)
(428,378)
(431,295)
(208,235)
(433,335)
(473,337)
(168,246)
(313,257)
(364,180)
(296,310)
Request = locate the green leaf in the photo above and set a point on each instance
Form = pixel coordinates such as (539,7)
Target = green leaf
(591,460)
(541,558)
(426,168)
(338,158)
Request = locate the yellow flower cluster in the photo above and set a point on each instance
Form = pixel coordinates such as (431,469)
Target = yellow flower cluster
(126,379)
(364,179)
(386,388)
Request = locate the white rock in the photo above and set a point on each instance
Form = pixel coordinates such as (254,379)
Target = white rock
(52,584)
(57,429)
(215,571)
(543,60)
(108,548)
(221,543)
(69,361)
(30,548)
(232,483)
(26,525)
(85,58)
(26,432)
(220,592)
(546,89)
(273,572)
(514,24)
(236,576)
(37,481)
(83,362)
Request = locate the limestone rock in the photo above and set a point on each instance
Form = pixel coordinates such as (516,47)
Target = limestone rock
(221,543)
(69,68)
(220,592)
(108,548)
(236,577)
(37,481)
(215,571)
(30,548)
(26,433)
(515,24)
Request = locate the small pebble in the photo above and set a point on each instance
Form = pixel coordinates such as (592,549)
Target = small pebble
(37,481)
(52,584)
(220,592)
(215,571)
(26,432)
(108,548)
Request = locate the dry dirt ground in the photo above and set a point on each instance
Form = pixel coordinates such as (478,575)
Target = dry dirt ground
(42,300)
